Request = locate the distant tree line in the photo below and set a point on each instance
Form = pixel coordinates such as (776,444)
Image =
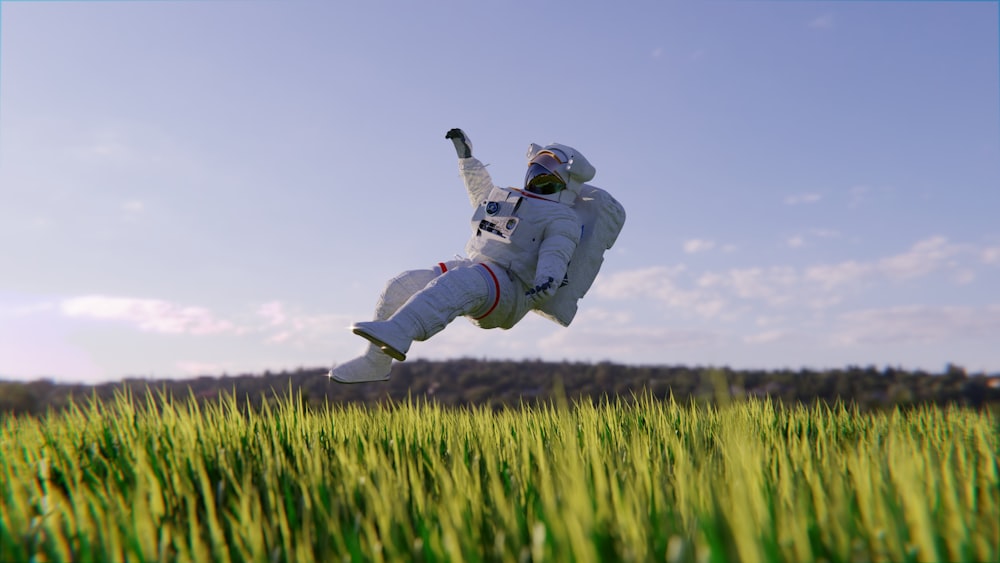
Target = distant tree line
(513,384)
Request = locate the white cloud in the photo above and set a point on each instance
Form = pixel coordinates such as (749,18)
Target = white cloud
(132,210)
(103,149)
(825,21)
(799,240)
(658,284)
(654,281)
(766,337)
(148,315)
(657,53)
(831,276)
(133,206)
(710,295)
(274,323)
(280,337)
(964,276)
(799,199)
(825,233)
(602,316)
(727,295)
(297,329)
(771,285)
(629,340)
(120,144)
(858,195)
(924,257)
(460,337)
(273,312)
(918,324)
(768,320)
(710,307)
(820,302)
(692,246)
(990,255)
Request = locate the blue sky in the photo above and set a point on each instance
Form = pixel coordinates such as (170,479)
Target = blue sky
(207,187)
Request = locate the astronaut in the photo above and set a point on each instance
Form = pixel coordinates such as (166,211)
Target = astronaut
(518,258)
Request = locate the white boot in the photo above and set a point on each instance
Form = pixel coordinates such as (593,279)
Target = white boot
(386,336)
(370,366)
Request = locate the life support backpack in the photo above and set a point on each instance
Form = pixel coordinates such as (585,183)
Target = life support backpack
(602,218)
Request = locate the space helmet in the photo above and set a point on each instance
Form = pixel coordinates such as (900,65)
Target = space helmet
(556,172)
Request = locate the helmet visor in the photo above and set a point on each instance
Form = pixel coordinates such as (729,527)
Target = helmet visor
(539,180)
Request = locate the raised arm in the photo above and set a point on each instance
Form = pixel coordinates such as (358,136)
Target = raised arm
(477,180)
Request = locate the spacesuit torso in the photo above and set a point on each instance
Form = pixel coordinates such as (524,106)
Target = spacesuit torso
(513,229)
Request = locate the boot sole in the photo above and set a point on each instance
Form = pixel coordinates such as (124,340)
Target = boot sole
(389,350)
(339,379)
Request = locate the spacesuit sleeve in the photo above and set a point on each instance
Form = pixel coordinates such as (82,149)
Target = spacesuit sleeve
(477,180)
(556,250)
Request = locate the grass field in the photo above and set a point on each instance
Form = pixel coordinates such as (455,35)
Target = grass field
(636,480)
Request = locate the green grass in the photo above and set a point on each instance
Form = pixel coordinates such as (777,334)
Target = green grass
(639,480)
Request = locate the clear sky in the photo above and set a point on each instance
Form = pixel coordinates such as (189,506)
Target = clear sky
(209,187)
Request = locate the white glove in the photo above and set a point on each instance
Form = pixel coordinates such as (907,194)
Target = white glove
(545,287)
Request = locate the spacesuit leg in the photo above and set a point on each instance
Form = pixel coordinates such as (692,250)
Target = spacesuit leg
(472,291)
(373,364)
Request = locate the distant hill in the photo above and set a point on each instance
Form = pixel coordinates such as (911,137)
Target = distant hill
(504,384)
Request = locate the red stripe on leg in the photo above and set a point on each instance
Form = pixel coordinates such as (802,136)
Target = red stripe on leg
(496,284)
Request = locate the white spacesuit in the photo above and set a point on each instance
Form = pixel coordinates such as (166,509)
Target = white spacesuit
(519,255)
